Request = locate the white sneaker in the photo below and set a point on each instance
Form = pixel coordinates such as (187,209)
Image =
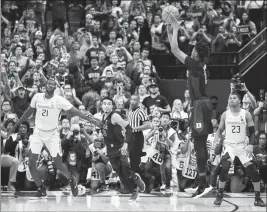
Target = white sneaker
(190,190)
(163,187)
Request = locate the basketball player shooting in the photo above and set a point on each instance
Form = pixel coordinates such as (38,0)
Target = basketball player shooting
(201,111)
(235,122)
(48,108)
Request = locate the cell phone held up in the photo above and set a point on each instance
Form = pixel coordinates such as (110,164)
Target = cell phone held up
(237,81)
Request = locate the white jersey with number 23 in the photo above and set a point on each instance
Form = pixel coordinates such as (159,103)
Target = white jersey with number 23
(235,127)
(48,110)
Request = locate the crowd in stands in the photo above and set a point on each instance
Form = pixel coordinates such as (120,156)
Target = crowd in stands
(114,52)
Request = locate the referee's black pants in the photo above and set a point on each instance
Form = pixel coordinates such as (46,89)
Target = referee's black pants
(135,147)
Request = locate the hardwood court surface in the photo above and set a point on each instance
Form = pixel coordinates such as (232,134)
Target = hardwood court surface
(113,201)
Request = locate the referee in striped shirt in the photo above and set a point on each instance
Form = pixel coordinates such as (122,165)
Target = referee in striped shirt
(139,121)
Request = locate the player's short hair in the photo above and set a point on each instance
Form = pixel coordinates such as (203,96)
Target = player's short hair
(202,48)
(234,93)
(109,99)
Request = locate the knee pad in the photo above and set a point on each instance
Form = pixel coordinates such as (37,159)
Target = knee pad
(252,172)
(224,170)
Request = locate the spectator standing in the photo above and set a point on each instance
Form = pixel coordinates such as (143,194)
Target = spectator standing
(249,29)
(142,92)
(178,111)
(260,153)
(157,30)
(155,101)
(20,100)
(260,114)
(199,12)
(217,21)
(187,102)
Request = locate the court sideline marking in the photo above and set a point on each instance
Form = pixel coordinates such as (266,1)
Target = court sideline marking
(236,206)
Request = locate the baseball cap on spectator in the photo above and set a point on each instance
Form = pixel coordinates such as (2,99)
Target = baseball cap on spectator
(21,87)
(153,83)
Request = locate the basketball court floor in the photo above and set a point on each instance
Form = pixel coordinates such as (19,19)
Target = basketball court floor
(113,201)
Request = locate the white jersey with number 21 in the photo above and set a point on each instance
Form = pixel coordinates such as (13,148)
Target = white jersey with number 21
(48,110)
(235,127)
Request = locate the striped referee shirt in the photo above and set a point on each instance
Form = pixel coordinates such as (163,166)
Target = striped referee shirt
(136,117)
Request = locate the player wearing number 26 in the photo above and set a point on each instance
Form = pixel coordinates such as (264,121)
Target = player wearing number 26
(48,108)
(235,122)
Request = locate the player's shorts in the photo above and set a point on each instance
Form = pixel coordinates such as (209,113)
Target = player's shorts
(50,139)
(237,150)
(200,117)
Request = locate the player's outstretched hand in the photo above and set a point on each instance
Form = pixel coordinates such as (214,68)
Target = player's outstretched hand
(124,149)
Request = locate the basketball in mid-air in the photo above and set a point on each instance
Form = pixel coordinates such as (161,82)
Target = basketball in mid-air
(169,14)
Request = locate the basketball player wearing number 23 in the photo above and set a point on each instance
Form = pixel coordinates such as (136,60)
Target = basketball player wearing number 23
(48,108)
(235,122)
(201,107)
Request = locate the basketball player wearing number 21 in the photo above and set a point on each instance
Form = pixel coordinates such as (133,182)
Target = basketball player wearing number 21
(201,107)
(235,122)
(48,108)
